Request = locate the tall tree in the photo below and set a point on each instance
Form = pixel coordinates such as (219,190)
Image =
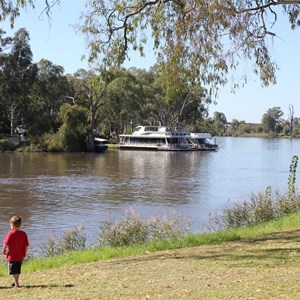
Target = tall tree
(271,120)
(4,44)
(182,98)
(167,103)
(72,132)
(220,122)
(47,95)
(124,102)
(207,38)
(90,90)
(17,75)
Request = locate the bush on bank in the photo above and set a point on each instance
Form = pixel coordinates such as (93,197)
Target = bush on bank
(6,145)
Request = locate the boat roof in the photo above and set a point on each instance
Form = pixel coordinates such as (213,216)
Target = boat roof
(156,131)
(201,135)
(100,139)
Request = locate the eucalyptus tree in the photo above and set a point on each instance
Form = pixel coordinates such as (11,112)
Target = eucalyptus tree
(17,73)
(164,105)
(12,8)
(234,126)
(220,122)
(271,120)
(48,94)
(124,102)
(183,101)
(205,38)
(4,44)
(89,90)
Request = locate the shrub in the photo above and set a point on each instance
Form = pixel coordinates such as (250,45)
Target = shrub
(6,145)
(133,230)
(72,239)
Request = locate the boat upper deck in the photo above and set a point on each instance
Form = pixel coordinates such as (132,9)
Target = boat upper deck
(156,131)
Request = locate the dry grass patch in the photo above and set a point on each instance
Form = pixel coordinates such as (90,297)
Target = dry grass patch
(263,268)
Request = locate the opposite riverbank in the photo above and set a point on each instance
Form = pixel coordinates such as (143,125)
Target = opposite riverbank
(260,262)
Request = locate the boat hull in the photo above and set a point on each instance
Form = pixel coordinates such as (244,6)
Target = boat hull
(100,148)
(100,145)
(154,148)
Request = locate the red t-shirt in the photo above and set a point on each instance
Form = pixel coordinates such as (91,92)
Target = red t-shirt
(17,242)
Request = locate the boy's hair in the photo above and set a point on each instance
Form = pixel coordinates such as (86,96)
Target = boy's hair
(16,221)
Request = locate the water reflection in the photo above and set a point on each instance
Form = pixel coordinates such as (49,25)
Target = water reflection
(55,192)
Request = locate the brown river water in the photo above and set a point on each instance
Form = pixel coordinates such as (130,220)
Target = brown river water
(57,192)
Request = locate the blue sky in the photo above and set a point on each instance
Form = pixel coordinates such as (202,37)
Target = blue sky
(59,43)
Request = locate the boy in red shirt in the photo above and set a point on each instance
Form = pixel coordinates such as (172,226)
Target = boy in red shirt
(15,248)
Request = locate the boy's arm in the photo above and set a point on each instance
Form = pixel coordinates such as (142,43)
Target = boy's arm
(4,249)
(25,252)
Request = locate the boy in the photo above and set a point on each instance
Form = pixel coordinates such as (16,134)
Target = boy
(15,248)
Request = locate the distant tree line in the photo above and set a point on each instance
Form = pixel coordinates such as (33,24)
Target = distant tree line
(64,112)
(272,124)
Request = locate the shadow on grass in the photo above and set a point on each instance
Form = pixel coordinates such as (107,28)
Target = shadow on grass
(271,249)
(289,236)
(39,286)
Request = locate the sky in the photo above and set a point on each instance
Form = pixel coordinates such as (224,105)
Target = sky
(58,42)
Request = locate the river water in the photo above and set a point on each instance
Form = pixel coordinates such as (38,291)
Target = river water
(57,192)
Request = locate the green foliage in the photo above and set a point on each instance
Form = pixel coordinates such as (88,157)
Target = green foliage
(73,130)
(47,95)
(220,123)
(11,9)
(17,74)
(188,35)
(48,142)
(292,177)
(6,145)
(271,120)
(296,132)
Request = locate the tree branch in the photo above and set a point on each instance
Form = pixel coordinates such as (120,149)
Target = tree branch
(268,5)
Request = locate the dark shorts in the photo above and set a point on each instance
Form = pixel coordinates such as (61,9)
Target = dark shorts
(14,267)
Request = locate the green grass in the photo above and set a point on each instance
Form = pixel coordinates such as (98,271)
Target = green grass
(113,146)
(97,254)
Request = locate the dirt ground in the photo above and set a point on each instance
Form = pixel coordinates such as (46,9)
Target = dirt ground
(265,268)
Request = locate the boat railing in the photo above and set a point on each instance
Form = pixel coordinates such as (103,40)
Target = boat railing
(153,144)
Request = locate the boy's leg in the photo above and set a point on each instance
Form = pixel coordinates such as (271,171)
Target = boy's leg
(15,270)
(16,280)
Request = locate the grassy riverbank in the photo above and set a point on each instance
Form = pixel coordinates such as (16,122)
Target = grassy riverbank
(257,262)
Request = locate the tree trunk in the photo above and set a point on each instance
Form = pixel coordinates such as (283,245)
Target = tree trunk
(90,140)
(12,118)
(291,118)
